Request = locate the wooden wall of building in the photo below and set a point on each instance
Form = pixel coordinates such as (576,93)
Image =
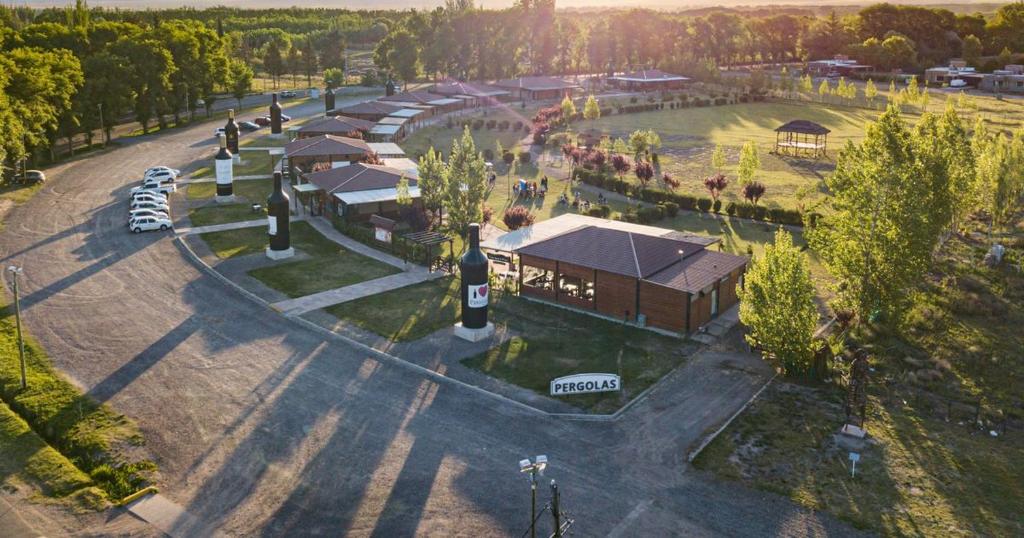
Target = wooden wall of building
(615,295)
(664,307)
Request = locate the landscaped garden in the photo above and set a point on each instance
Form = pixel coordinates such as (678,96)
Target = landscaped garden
(548,341)
(329,265)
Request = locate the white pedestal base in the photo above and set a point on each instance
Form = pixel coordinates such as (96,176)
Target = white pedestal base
(280,254)
(230,199)
(474,335)
(277,135)
(236,158)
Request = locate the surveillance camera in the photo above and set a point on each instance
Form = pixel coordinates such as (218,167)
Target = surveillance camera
(542,459)
(524,465)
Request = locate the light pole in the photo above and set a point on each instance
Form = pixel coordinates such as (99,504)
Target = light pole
(15,271)
(103,134)
(534,468)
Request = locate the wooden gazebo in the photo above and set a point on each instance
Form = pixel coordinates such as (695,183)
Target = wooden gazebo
(428,240)
(802,138)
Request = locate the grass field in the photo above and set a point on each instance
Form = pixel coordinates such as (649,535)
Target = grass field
(252,190)
(942,379)
(223,214)
(89,434)
(440,136)
(550,341)
(241,242)
(331,266)
(253,163)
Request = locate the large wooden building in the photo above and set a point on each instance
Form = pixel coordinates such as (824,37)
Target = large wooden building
(648,80)
(536,88)
(324,152)
(358,191)
(640,274)
(335,126)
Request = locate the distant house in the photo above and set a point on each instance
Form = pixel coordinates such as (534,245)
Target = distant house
(358,191)
(367,110)
(648,80)
(642,274)
(335,126)
(473,94)
(840,65)
(536,88)
(324,152)
(1010,79)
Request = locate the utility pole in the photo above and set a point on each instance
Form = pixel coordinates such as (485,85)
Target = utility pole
(15,271)
(533,468)
(103,132)
(554,510)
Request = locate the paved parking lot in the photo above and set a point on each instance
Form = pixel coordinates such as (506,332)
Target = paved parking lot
(262,426)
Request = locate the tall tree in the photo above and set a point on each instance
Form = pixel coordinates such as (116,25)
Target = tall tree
(591,110)
(777,305)
(467,183)
(750,163)
(433,181)
(877,241)
(239,80)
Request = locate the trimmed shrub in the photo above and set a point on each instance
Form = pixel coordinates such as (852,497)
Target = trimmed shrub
(524,157)
(671,208)
(716,206)
(516,217)
(633,100)
(518,126)
(491,124)
(477,124)
(745,210)
(704,204)
(760,212)
(721,101)
(730,209)
(503,125)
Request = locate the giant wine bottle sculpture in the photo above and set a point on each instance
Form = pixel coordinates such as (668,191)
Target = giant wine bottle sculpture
(224,170)
(231,132)
(275,116)
(475,292)
(277,220)
(329,99)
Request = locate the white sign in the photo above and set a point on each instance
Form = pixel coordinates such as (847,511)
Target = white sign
(585,383)
(224,170)
(272,222)
(477,295)
(382,235)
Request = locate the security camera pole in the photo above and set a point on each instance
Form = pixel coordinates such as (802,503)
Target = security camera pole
(15,271)
(534,468)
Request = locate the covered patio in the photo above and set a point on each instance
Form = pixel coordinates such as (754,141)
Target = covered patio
(802,138)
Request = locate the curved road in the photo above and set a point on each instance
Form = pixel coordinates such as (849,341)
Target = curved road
(264,427)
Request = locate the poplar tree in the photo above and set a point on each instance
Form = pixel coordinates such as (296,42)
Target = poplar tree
(568,109)
(718,158)
(467,184)
(777,305)
(870,92)
(823,89)
(591,110)
(432,181)
(877,240)
(749,163)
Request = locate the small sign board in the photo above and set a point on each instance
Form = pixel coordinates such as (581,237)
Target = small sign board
(585,383)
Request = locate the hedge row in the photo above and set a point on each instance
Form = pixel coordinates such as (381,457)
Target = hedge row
(606,180)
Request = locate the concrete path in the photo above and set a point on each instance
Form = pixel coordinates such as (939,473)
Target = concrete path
(166,515)
(222,227)
(301,305)
(331,233)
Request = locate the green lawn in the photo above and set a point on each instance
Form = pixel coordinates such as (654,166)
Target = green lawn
(254,163)
(551,341)
(241,242)
(440,136)
(88,433)
(223,214)
(251,190)
(331,266)
(18,193)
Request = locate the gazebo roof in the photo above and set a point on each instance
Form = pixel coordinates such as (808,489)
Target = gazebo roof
(803,127)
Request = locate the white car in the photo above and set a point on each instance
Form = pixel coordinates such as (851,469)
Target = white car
(150,204)
(174,171)
(149,198)
(161,175)
(156,186)
(148,194)
(957,83)
(145,224)
(218,132)
(138,213)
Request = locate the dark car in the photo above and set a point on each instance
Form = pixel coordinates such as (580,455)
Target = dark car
(262,122)
(248,126)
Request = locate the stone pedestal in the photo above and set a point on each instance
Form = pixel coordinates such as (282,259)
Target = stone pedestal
(474,335)
(225,199)
(280,254)
(277,135)
(236,158)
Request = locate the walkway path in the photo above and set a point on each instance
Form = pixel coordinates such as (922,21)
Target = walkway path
(323,299)
(331,233)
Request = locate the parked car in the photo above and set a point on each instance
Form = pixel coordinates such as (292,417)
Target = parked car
(148,198)
(248,126)
(285,117)
(138,213)
(149,204)
(148,192)
(157,186)
(957,83)
(161,175)
(34,176)
(218,131)
(145,224)
(262,121)
(174,171)
(288,93)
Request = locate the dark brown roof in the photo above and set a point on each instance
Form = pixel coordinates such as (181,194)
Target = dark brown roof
(611,250)
(413,97)
(803,127)
(382,222)
(357,177)
(337,125)
(370,107)
(467,88)
(694,273)
(316,146)
(536,83)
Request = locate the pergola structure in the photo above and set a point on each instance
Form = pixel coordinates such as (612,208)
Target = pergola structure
(428,240)
(802,138)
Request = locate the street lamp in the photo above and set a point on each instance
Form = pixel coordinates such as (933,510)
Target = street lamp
(15,271)
(534,468)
